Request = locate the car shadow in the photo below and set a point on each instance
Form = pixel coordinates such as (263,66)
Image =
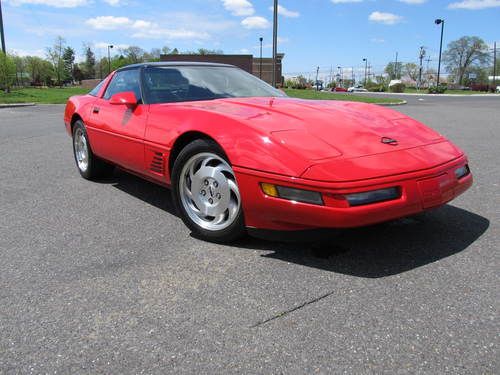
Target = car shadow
(371,252)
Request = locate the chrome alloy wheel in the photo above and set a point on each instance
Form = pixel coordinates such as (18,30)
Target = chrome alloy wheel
(209,192)
(81,150)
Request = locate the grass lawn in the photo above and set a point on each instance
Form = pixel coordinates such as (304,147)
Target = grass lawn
(313,94)
(59,96)
(41,95)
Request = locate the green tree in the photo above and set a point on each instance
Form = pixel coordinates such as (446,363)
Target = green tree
(40,70)
(68,60)
(394,70)
(464,53)
(7,72)
(89,64)
(55,57)
(20,63)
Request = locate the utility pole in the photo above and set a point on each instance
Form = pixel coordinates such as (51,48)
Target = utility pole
(440,21)
(366,66)
(316,83)
(352,75)
(260,61)
(2,32)
(495,66)
(421,57)
(275,39)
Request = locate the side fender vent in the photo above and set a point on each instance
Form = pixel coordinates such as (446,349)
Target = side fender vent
(157,163)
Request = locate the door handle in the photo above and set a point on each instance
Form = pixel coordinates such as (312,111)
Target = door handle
(95,110)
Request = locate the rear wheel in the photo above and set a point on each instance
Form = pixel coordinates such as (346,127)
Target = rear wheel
(89,165)
(206,193)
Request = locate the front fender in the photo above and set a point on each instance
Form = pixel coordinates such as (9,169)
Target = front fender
(244,146)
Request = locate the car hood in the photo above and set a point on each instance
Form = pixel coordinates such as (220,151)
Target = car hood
(317,129)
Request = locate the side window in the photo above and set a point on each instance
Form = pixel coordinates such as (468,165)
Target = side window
(96,89)
(125,80)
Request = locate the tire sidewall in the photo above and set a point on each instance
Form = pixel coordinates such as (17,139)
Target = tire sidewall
(88,173)
(233,231)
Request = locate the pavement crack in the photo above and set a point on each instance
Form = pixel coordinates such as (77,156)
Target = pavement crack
(289,311)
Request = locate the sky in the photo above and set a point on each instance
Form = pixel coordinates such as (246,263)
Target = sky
(312,33)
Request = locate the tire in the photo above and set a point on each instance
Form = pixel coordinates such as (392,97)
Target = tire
(205,193)
(89,165)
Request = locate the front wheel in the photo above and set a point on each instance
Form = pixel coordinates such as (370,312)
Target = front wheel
(89,165)
(206,193)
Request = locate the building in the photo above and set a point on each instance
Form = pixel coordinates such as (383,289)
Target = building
(246,62)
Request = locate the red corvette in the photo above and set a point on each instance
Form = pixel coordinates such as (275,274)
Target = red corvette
(240,154)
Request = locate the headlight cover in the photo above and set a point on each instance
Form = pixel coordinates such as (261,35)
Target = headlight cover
(374,196)
(292,194)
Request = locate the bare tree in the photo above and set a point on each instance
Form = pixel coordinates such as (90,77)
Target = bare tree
(54,55)
(411,70)
(463,53)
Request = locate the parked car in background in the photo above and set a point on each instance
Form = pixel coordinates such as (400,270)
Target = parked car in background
(339,89)
(358,88)
(498,89)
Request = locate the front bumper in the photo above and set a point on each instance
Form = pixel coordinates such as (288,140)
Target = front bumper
(420,190)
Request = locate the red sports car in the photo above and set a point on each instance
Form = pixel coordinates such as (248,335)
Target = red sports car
(240,154)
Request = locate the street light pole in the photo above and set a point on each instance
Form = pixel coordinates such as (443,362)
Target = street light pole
(260,62)
(275,39)
(109,58)
(440,21)
(2,33)
(366,66)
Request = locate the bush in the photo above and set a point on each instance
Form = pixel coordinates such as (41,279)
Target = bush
(437,89)
(398,87)
(377,88)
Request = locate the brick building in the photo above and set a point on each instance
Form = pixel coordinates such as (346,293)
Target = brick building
(246,62)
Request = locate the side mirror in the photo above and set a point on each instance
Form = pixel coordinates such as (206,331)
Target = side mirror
(127,98)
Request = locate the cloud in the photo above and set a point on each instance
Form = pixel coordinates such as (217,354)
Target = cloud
(385,18)
(104,45)
(108,22)
(161,33)
(285,12)
(475,4)
(239,7)
(114,3)
(377,40)
(345,1)
(413,2)
(144,29)
(52,3)
(22,52)
(255,22)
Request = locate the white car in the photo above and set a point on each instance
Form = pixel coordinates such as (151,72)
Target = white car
(357,89)
(498,89)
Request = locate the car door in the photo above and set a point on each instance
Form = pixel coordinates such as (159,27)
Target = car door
(118,128)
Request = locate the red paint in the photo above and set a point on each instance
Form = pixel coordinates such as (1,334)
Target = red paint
(332,147)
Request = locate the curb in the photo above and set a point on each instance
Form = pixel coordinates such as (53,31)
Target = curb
(16,105)
(403,102)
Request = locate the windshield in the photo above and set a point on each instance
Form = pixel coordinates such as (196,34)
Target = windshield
(166,84)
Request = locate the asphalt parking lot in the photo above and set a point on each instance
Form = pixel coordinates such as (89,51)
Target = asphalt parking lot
(104,278)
